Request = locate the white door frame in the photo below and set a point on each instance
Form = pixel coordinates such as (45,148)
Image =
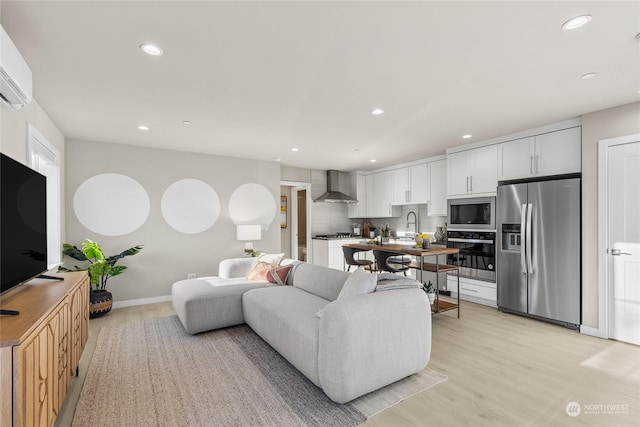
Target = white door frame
(603,222)
(295,187)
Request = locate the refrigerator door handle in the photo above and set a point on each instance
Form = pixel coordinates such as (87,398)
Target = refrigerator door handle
(528,241)
(523,224)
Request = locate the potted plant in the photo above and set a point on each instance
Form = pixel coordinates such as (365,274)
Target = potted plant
(385,233)
(100,269)
(430,290)
(372,231)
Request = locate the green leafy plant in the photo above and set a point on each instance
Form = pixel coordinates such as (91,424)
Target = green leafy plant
(100,268)
(429,288)
(386,231)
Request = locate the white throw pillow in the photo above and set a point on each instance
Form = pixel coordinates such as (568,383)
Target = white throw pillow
(274,259)
(360,282)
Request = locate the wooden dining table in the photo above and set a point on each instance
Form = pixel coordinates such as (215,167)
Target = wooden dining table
(420,265)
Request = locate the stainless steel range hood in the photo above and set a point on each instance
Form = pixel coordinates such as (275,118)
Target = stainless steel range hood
(333,195)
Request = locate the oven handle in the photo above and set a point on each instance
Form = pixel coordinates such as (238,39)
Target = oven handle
(456,239)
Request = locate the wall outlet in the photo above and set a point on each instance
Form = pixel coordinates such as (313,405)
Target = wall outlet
(191,276)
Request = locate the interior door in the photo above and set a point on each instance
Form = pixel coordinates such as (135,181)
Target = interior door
(623,241)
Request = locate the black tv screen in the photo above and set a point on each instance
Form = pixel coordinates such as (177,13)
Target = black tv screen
(23,223)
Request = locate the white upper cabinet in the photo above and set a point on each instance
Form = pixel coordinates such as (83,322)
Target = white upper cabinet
(358,189)
(380,195)
(472,172)
(410,185)
(438,188)
(552,153)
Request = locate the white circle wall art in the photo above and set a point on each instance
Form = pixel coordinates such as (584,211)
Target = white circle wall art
(190,206)
(111,204)
(252,204)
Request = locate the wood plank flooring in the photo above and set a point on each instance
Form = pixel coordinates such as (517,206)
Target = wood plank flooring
(504,370)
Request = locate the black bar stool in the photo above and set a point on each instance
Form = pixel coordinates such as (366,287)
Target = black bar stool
(384,263)
(349,258)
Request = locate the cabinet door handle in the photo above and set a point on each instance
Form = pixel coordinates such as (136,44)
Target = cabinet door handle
(531,164)
(469,290)
(467,184)
(537,164)
(471,183)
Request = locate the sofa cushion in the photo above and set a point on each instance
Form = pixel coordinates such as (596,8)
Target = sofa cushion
(279,275)
(360,282)
(259,272)
(321,281)
(274,259)
(285,318)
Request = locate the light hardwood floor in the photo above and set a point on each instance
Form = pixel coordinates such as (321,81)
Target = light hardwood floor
(504,370)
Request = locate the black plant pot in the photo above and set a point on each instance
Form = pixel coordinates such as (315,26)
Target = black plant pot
(99,303)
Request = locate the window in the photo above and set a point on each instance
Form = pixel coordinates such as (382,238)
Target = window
(44,158)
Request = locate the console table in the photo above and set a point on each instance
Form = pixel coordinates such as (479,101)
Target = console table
(420,265)
(41,347)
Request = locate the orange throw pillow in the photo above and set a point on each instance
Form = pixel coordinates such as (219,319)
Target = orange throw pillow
(259,272)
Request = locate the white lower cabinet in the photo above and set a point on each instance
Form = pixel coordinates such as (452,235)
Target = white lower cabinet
(328,253)
(477,291)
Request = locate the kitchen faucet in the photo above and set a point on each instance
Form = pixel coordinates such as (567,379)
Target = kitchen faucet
(415,222)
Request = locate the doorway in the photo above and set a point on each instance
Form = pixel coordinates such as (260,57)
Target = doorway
(297,243)
(619,238)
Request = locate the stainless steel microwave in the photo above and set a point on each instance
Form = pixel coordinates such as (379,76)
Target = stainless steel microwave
(478,213)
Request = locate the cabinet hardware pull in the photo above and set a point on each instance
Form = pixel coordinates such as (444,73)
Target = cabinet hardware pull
(531,164)
(467,184)
(471,183)
(470,290)
(537,164)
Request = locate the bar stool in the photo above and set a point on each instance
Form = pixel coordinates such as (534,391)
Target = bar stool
(384,263)
(349,258)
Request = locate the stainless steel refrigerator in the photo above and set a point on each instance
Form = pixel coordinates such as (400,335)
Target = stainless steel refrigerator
(538,264)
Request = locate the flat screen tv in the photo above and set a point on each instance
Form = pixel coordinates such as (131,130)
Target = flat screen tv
(23,223)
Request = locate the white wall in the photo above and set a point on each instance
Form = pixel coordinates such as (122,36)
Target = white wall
(168,255)
(13,139)
(611,123)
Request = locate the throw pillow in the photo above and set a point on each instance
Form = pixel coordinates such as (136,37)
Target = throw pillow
(259,272)
(359,282)
(274,259)
(279,275)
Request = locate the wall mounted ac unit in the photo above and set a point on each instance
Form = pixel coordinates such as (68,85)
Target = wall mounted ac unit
(16,81)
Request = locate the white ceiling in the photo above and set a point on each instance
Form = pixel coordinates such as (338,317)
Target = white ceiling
(258,78)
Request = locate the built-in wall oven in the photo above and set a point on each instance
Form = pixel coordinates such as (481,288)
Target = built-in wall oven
(472,230)
(477,258)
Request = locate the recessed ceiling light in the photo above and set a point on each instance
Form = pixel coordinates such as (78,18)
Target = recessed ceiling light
(588,76)
(143,127)
(186,122)
(276,159)
(576,22)
(467,136)
(295,149)
(373,160)
(151,49)
(377,111)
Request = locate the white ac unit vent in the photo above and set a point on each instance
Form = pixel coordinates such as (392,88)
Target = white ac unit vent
(16,81)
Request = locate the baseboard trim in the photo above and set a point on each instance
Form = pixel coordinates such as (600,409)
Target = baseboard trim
(141,301)
(588,330)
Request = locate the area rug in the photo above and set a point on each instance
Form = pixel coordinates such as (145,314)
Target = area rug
(153,373)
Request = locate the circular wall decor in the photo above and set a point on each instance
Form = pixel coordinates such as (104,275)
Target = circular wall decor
(111,204)
(252,204)
(190,206)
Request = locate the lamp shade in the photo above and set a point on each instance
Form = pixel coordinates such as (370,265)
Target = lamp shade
(249,232)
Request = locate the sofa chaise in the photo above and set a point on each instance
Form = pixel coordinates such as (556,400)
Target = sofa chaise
(346,343)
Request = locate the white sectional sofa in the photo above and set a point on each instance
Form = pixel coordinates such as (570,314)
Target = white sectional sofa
(346,345)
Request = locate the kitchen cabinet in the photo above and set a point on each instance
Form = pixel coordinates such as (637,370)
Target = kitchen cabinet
(328,253)
(358,189)
(477,291)
(437,188)
(472,172)
(553,153)
(410,185)
(380,196)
